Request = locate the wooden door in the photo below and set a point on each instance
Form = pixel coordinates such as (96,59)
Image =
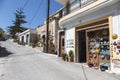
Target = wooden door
(62,43)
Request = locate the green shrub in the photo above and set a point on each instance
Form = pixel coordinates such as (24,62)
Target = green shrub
(70,53)
(64,56)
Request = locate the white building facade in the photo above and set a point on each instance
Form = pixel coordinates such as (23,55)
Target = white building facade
(88,29)
(27,36)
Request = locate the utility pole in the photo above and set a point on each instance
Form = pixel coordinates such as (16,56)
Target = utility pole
(47,25)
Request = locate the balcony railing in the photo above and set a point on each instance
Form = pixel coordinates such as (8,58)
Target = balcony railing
(75,5)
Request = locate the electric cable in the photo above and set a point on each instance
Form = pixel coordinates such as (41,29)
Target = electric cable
(25,4)
(36,12)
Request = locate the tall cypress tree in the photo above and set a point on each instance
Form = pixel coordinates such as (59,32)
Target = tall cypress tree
(17,23)
(1,33)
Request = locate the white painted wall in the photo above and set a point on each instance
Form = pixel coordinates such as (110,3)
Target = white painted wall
(69,40)
(25,33)
(115,64)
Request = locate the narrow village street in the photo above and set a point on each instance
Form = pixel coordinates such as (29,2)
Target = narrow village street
(25,63)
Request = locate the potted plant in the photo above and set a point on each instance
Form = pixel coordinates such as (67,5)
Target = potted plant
(64,56)
(32,44)
(70,57)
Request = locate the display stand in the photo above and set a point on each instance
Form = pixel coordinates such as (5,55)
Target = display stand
(98,51)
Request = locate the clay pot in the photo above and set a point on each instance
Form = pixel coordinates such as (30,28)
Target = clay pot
(90,64)
(102,68)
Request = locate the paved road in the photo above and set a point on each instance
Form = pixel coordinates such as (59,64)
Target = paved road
(23,63)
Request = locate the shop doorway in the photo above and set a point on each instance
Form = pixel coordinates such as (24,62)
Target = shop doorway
(98,46)
(62,43)
(82,46)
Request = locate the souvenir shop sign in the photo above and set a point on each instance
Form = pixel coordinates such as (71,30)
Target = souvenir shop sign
(70,43)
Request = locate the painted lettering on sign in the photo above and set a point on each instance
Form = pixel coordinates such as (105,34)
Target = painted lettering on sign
(70,43)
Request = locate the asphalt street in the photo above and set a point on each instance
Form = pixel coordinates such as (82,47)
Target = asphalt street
(25,63)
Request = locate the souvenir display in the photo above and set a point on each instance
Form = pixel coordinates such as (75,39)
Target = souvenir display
(99,47)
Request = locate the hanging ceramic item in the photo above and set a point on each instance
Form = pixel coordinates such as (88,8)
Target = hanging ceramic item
(118,47)
(114,36)
(91,55)
(102,56)
(97,39)
(94,55)
(104,32)
(119,51)
(118,42)
(115,44)
(97,45)
(97,51)
(108,56)
(101,39)
(92,51)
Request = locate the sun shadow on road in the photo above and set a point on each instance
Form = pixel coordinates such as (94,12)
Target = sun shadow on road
(4,52)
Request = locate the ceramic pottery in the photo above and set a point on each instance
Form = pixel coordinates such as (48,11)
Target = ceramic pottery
(115,44)
(118,42)
(114,36)
(107,56)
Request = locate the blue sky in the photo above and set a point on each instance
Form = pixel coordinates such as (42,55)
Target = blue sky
(35,11)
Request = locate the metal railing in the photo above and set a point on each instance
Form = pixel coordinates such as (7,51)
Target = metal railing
(75,5)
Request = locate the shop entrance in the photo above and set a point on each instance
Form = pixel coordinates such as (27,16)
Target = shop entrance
(93,44)
(82,46)
(61,44)
(98,47)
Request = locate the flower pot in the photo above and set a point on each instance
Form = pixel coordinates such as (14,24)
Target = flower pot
(102,68)
(90,65)
(69,59)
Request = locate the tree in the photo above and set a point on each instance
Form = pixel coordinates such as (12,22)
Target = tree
(17,23)
(1,34)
